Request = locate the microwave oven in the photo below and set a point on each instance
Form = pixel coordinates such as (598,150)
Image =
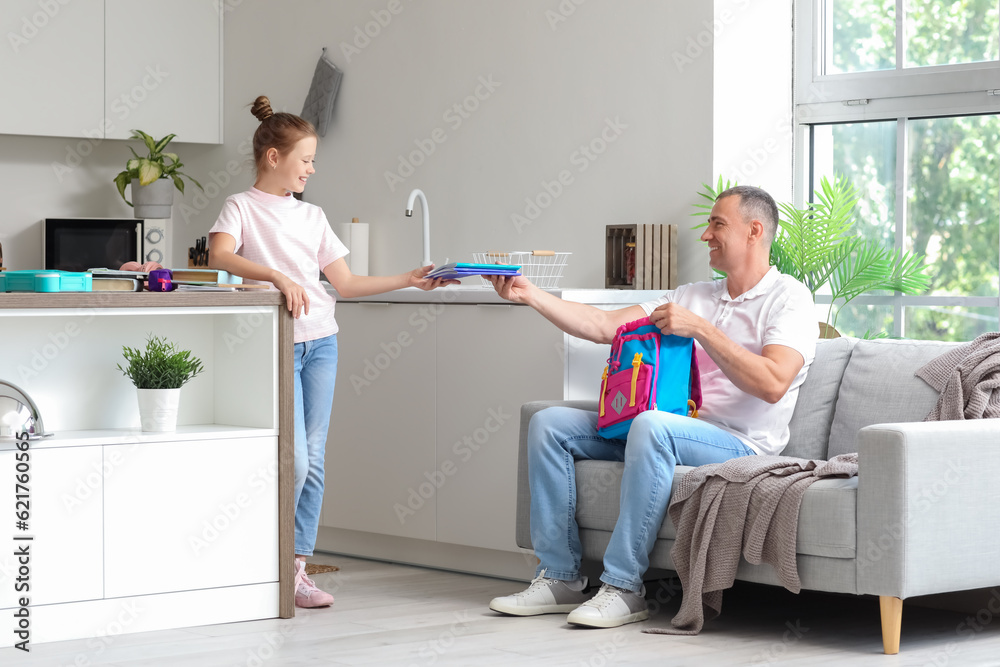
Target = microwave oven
(78,244)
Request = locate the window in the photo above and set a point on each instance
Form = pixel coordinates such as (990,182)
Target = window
(903,97)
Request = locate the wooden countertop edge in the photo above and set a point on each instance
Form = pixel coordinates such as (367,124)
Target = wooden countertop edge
(138,299)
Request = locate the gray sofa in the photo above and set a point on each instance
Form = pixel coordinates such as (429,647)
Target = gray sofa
(922,517)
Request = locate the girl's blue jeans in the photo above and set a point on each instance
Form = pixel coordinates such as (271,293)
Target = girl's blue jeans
(315,375)
(656,443)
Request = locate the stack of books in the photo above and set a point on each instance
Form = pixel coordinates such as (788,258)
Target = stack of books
(112,280)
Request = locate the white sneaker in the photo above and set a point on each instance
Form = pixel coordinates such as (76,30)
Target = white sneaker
(543,596)
(611,607)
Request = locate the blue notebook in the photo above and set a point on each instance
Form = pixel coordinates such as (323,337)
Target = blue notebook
(456,270)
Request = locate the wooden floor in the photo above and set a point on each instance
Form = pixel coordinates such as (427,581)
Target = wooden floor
(388,614)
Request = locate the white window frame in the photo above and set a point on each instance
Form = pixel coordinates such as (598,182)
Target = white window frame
(900,94)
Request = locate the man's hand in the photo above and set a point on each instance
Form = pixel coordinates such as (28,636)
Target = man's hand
(512,288)
(671,318)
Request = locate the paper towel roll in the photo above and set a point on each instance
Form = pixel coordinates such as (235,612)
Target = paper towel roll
(355,237)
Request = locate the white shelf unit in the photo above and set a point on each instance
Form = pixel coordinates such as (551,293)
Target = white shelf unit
(196,519)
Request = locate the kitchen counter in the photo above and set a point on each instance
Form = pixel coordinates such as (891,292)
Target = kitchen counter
(473,294)
(139,299)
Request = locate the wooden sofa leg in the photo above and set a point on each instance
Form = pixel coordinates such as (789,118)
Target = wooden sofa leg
(892,620)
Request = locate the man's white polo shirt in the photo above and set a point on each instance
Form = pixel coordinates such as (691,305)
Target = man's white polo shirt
(778,310)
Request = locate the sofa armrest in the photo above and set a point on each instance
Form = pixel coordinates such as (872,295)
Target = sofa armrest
(928,507)
(523,530)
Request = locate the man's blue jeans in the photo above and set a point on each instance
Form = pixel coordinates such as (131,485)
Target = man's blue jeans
(315,374)
(656,443)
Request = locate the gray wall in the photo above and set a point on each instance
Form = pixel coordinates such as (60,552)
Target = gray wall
(555,86)
(562,71)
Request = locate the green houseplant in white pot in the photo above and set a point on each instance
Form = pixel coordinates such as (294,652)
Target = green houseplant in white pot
(153,178)
(158,373)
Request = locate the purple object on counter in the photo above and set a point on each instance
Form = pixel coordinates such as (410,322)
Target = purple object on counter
(161,280)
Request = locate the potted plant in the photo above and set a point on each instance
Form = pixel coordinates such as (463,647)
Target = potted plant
(817,245)
(151,177)
(158,373)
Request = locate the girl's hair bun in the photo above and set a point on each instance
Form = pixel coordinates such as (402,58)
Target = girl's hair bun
(261,108)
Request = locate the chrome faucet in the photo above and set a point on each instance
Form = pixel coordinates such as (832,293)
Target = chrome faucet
(18,413)
(427,222)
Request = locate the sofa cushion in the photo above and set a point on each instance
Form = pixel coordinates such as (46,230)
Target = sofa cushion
(879,387)
(827,525)
(810,425)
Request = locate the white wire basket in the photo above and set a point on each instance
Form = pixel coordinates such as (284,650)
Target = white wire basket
(544,268)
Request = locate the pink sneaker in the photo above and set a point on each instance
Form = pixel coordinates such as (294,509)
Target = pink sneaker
(307,594)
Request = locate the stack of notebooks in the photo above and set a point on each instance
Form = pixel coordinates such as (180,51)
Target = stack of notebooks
(113,280)
(458,270)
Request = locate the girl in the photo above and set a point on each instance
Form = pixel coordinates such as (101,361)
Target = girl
(266,235)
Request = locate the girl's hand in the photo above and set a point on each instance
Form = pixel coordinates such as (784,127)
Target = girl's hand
(416,278)
(295,295)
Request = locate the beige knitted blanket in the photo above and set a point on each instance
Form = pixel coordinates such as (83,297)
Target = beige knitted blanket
(746,506)
(968,379)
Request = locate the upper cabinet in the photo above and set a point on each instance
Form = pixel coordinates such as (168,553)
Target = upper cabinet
(52,68)
(163,68)
(99,69)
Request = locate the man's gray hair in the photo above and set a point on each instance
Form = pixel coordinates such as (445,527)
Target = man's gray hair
(756,204)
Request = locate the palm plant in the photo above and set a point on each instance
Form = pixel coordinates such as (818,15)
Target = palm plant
(152,167)
(818,246)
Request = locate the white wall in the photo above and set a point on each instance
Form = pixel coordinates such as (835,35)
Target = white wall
(564,68)
(753,128)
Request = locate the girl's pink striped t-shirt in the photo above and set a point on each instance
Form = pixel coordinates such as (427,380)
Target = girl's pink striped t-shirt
(293,237)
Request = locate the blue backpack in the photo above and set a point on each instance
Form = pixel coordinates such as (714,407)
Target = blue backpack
(647,371)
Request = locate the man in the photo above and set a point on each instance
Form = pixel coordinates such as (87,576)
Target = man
(755,335)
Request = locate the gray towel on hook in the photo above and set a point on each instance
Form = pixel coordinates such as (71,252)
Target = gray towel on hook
(322,92)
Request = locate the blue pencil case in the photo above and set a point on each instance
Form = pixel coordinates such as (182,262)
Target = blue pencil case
(45,281)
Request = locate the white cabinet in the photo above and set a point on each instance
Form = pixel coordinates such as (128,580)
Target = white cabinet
(381,440)
(220,527)
(66,506)
(423,437)
(163,67)
(52,68)
(98,69)
(194,526)
(492,358)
